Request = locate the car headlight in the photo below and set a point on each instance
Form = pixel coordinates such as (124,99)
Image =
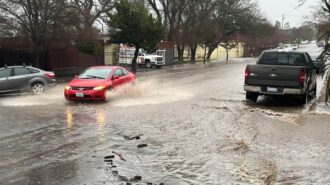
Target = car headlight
(99,88)
(68,88)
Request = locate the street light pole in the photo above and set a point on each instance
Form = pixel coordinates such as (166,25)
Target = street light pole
(283,18)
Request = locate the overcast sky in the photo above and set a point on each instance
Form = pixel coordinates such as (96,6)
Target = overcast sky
(274,9)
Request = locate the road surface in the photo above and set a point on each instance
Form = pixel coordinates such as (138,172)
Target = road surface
(186,125)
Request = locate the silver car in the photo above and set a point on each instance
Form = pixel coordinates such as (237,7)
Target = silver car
(25,78)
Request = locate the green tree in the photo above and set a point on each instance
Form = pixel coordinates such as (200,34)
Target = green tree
(136,27)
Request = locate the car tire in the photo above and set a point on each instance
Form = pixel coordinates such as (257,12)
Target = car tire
(304,98)
(314,90)
(148,64)
(252,96)
(37,88)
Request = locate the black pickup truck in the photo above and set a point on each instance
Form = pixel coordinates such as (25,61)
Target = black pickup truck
(281,73)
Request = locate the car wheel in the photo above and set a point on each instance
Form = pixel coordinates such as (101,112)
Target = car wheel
(37,88)
(148,64)
(252,96)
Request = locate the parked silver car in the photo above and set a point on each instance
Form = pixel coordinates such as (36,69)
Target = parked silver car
(25,78)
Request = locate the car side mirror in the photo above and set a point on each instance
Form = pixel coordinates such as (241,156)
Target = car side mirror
(115,77)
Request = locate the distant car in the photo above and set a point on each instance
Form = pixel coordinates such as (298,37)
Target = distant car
(294,47)
(149,60)
(94,82)
(15,79)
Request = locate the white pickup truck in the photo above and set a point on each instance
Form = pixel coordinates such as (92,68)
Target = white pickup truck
(149,60)
(126,56)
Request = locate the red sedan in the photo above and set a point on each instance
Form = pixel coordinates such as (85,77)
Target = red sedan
(93,83)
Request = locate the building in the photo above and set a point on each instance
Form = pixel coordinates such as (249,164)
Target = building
(111,54)
(220,53)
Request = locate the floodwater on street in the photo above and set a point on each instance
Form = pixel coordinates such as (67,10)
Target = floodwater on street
(186,125)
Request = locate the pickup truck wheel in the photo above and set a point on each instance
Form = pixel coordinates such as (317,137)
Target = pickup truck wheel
(314,90)
(252,96)
(304,98)
(148,64)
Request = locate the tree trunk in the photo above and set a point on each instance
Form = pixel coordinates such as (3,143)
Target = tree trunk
(209,52)
(204,57)
(46,59)
(97,59)
(136,54)
(227,55)
(170,31)
(327,91)
(193,54)
(180,54)
(36,57)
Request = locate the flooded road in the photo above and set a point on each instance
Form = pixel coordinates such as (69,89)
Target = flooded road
(186,125)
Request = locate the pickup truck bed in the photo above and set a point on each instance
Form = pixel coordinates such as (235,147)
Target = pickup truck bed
(281,73)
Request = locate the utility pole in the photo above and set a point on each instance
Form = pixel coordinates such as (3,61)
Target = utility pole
(283,18)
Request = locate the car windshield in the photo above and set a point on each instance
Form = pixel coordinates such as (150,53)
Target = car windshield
(276,58)
(96,73)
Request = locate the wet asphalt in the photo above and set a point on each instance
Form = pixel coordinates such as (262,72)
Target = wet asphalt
(185,125)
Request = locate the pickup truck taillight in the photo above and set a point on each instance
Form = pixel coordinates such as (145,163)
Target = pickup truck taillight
(302,77)
(246,73)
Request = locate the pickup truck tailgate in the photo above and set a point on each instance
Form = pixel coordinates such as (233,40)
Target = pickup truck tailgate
(271,75)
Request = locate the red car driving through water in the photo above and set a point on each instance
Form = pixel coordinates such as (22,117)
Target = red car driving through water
(94,82)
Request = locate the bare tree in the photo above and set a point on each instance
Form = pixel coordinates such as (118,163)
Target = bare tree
(322,22)
(89,12)
(34,19)
(170,13)
(228,45)
(189,31)
(231,16)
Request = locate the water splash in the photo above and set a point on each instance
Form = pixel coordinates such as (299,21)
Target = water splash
(51,96)
(148,92)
